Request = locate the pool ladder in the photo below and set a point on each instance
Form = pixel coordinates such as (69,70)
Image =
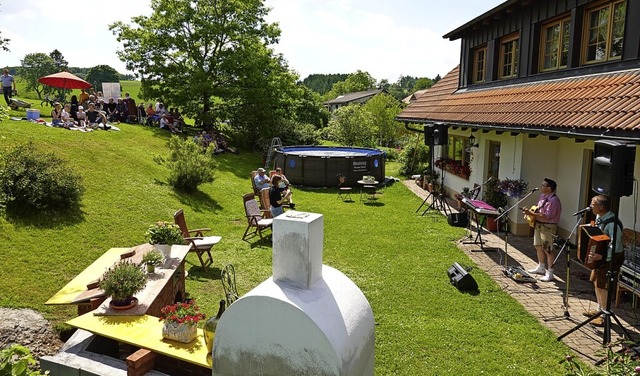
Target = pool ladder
(275,143)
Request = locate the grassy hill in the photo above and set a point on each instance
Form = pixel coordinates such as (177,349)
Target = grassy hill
(398,259)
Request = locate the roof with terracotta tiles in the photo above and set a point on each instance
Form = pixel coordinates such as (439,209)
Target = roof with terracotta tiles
(600,104)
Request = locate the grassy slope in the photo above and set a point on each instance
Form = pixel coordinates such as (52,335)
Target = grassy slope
(398,259)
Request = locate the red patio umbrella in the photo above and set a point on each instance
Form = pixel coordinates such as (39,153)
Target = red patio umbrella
(64,80)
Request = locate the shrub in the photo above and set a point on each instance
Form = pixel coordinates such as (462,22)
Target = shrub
(414,160)
(31,179)
(188,165)
(16,360)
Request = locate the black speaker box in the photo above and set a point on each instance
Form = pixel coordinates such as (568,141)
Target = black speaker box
(428,135)
(612,169)
(458,219)
(461,279)
(440,134)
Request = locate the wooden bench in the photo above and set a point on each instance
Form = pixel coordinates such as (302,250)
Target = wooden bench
(629,237)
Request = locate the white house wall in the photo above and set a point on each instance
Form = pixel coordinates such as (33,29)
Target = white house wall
(564,160)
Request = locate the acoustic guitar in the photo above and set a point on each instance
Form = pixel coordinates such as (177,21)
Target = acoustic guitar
(530,218)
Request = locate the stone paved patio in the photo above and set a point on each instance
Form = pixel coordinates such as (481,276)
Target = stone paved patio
(545,300)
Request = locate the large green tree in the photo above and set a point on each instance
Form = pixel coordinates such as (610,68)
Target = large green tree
(34,66)
(351,126)
(209,57)
(61,63)
(102,73)
(382,109)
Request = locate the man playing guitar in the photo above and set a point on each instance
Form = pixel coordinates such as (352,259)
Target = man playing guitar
(546,218)
(605,219)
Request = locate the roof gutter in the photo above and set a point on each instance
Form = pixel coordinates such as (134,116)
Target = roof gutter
(548,131)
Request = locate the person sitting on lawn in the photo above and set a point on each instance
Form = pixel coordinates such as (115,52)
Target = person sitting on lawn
(56,115)
(121,111)
(166,122)
(95,118)
(285,187)
(81,117)
(261,180)
(152,117)
(67,119)
(111,110)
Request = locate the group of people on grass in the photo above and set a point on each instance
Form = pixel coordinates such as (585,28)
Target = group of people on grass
(279,190)
(89,110)
(215,139)
(170,120)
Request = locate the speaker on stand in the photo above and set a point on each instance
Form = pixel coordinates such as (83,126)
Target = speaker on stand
(440,134)
(612,169)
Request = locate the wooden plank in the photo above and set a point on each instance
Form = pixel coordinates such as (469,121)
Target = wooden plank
(156,282)
(145,332)
(69,293)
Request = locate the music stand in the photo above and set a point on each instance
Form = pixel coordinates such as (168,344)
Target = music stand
(506,232)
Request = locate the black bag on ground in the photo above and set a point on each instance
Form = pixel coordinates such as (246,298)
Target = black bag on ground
(458,219)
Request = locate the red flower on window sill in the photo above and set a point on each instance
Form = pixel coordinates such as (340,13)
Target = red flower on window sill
(455,167)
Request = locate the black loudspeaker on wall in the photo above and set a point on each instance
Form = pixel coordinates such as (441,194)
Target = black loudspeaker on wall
(428,135)
(612,170)
(460,278)
(440,134)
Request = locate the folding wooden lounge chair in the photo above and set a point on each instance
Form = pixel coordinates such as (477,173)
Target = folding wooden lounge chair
(257,219)
(200,244)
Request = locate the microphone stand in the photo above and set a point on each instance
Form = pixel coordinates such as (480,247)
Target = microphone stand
(506,233)
(566,246)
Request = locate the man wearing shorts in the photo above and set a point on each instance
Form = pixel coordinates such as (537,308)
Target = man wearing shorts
(606,221)
(546,216)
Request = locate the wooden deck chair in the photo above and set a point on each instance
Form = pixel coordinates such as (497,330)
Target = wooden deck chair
(200,244)
(344,192)
(257,219)
(228,278)
(256,191)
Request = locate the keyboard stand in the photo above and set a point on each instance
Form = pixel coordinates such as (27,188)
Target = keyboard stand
(480,222)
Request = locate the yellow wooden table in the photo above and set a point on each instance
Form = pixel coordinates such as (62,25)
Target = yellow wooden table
(76,287)
(146,332)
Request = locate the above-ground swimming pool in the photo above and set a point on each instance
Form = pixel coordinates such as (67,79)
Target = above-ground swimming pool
(319,166)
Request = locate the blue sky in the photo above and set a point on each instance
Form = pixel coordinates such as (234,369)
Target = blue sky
(385,38)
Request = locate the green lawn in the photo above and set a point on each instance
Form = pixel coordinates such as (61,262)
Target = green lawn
(397,258)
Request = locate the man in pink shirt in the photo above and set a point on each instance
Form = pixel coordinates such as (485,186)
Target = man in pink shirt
(547,216)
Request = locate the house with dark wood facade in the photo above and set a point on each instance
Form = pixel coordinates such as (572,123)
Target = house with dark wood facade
(539,82)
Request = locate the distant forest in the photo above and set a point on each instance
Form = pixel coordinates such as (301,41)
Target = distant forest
(322,83)
(406,85)
(80,72)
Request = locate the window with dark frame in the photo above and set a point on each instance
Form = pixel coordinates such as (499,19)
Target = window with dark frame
(604,32)
(509,53)
(479,64)
(554,48)
(459,154)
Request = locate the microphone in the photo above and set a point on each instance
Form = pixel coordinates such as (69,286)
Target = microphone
(535,189)
(488,180)
(588,208)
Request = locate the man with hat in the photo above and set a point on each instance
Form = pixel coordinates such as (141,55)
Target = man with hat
(261,180)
